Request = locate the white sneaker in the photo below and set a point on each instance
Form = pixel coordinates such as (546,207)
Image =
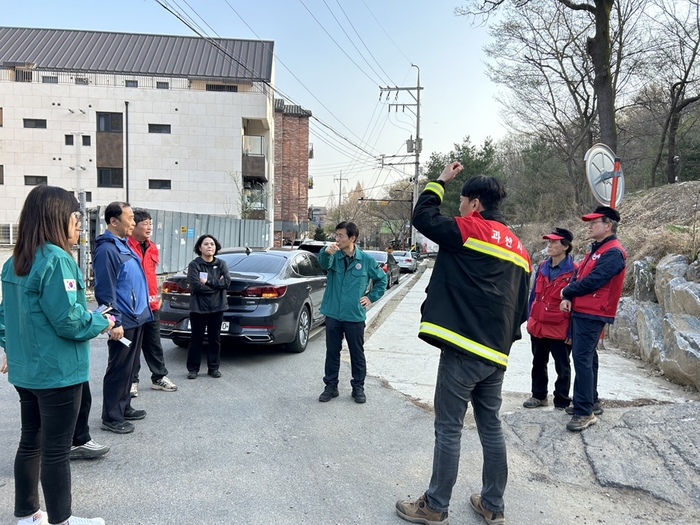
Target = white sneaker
(164,384)
(38,518)
(73,520)
(89,450)
(134,390)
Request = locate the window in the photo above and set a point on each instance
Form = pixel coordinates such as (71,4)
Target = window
(35,123)
(162,85)
(82,81)
(159,128)
(23,75)
(88,196)
(222,87)
(35,180)
(86,140)
(69,140)
(132,83)
(110,178)
(49,80)
(2,174)
(110,122)
(158,184)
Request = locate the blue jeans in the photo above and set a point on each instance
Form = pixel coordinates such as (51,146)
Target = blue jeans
(460,380)
(584,336)
(355,336)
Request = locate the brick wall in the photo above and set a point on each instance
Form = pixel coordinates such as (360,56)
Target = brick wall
(291,172)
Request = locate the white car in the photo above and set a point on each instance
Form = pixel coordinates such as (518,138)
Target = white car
(406,260)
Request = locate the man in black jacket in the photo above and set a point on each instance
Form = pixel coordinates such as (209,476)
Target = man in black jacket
(477,300)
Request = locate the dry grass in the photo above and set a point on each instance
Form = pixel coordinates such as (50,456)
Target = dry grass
(654,223)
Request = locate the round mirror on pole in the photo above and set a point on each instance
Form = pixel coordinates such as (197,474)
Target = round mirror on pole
(600,173)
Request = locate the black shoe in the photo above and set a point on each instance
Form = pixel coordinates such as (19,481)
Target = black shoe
(359,394)
(118,427)
(192,374)
(597,409)
(329,393)
(131,414)
(214,373)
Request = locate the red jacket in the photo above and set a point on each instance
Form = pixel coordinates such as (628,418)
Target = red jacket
(602,301)
(149,261)
(545,319)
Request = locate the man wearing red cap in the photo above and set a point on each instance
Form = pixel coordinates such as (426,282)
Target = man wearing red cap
(592,299)
(548,325)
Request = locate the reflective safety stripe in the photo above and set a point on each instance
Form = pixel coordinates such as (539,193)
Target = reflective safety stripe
(497,251)
(464,343)
(436,188)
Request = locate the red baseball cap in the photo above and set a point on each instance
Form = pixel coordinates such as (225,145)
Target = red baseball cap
(603,211)
(559,234)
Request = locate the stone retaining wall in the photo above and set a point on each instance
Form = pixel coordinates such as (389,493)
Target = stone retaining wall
(661,321)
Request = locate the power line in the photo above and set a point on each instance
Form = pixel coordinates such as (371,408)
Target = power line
(387,34)
(336,43)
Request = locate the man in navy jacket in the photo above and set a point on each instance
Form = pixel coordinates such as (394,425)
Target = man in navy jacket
(120,283)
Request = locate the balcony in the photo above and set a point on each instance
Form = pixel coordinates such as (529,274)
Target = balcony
(254,161)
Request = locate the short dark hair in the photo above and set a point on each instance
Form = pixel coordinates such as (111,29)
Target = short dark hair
(114,209)
(198,244)
(350,228)
(489,190)
(141,214)
(568,245)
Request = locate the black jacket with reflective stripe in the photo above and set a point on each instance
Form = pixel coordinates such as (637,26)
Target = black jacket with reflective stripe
(478,292)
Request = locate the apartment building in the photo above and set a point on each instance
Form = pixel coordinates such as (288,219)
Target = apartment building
(164,122)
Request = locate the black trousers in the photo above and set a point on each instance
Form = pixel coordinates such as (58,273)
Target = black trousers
(355,336)
(212,323)
(81,434)
(48,419)
(152,350)
(541,348)
(116,396)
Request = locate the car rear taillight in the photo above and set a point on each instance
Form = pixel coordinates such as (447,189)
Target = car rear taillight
(385,268)
(174,287)
(408,260)
(266,292)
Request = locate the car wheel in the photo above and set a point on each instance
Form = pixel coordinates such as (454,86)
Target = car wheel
(302,334)
(398,276)
(388,281)
(182,343)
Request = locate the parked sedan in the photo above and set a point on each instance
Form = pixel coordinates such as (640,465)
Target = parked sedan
(406,261)
(274,298)
(387,263)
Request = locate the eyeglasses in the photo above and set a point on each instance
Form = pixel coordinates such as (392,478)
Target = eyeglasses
(596,222)
(78,216)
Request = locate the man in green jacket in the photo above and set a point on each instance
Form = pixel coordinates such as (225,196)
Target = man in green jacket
(344,305)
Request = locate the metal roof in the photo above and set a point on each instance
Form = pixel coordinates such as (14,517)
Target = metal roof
(137,54)
(291,110)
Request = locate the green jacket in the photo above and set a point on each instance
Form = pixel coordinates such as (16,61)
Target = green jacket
(347,285)
(44,322)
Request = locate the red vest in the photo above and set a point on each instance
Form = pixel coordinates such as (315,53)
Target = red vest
(603,301)
(149,261)
(546,320)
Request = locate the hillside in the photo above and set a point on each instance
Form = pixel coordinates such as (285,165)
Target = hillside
(654,222)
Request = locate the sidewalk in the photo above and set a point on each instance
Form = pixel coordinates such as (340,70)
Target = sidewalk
(408,364)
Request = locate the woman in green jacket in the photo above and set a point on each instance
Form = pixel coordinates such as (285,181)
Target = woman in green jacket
(45,329)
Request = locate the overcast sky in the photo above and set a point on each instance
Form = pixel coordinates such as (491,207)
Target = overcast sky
(315,72)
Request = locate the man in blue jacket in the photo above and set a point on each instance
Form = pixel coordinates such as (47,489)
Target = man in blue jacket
(344,305)
(120,283)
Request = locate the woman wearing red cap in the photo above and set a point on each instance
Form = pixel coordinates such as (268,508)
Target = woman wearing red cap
(548,325)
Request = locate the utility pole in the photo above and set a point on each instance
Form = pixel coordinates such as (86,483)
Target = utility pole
(413,146)
(340,180)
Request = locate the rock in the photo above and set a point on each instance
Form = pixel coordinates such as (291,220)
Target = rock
(650,331)
(682,297)
(680,358)
(669,267)
(623,332)
(644,280)
(693,273)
